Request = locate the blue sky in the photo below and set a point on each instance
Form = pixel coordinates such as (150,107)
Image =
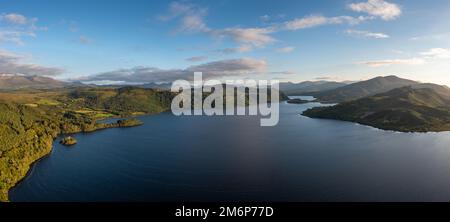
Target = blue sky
(145,41)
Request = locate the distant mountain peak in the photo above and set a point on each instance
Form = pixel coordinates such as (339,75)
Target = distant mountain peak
(18,81)
(415,108)
(307,87)
(361,89)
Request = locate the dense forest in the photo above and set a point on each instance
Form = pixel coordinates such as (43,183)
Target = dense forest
(31,120)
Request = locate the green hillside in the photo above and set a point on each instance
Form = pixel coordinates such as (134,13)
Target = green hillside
(362,89)
(419,108)
(31,120)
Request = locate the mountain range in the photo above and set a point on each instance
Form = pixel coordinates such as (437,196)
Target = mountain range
(362,89)
(386,102)
(308,87)
(8,81)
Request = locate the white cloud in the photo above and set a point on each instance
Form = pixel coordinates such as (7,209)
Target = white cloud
(217,69)
(258,37)
(14,18)
(306,22)
(191,17)
(436,53)
(21,22)
(424,57)
(286,49)
(193,23)
(197,59)
(231,67)
(380,8)
(319,20)
(11,63)
(367,34)
(264,18)
(240,49)
(380,63)
(18,26)
(13,36)
(176,9)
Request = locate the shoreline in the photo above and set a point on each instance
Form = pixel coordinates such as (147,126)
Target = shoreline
(379,128)
(366,124)
(32,164)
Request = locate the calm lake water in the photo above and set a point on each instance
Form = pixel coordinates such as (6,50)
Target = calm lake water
(232,158)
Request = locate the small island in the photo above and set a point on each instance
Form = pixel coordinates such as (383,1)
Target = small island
(68,141)
(297,101)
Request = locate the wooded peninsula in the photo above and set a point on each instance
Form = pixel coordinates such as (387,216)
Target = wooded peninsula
(31,119)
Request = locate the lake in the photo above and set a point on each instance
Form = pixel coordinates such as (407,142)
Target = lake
(232,158)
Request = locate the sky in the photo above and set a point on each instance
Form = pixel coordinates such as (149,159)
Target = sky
(130,42)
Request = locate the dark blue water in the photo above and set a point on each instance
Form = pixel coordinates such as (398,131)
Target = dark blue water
(232,158)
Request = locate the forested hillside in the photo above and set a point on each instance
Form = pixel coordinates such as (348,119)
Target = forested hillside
(30,120)
(419,108)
